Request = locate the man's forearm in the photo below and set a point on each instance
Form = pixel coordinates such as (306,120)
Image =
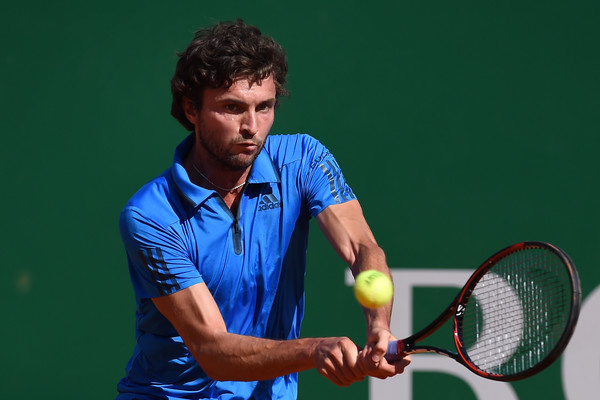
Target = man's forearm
(229,356)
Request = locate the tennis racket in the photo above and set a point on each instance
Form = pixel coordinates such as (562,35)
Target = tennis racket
(514,316)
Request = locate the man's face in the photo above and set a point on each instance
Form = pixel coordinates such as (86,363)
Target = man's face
(233,123)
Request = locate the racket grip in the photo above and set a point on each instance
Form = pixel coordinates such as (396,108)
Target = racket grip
(394,350)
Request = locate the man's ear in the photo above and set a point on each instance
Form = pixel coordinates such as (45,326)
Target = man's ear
(190,109)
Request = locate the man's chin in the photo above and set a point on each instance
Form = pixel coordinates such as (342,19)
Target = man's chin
(242,161)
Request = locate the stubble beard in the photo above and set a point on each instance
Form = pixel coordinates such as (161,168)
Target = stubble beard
(221,153)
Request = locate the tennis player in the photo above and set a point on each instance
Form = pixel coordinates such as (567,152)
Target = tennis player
(216,245)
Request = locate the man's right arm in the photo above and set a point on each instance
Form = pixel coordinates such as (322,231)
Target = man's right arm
(227,356)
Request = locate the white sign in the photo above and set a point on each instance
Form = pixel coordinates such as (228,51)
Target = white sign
(580,361)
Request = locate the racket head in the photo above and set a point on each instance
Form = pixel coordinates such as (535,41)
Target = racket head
(517,312)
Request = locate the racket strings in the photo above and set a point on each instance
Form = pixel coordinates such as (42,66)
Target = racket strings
(517,312)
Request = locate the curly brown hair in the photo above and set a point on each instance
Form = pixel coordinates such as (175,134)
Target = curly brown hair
(219,55)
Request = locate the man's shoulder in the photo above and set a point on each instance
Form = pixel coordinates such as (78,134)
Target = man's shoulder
(289,148)
(290,140)
(155,200)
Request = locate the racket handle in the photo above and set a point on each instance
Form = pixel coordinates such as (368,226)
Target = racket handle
(394,350)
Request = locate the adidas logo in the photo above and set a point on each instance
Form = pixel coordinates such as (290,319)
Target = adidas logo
(268,202)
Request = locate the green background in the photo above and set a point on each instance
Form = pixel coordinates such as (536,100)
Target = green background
(463,126)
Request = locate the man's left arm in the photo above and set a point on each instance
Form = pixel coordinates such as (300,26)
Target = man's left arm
(345,227)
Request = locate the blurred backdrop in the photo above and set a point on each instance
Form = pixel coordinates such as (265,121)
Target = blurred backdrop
(462,127)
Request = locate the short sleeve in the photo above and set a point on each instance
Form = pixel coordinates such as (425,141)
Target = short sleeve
(159,262)
(326,184)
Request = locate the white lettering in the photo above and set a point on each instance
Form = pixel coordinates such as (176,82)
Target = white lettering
(581,359)
(510,334)
(400,387)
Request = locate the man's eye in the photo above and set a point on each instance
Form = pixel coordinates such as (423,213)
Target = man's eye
(264,107)
(232,108)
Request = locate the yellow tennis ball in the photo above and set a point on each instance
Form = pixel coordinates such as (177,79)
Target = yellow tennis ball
(373,289)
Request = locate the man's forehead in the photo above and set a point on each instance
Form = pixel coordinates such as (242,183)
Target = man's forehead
(245,86)
(245,83)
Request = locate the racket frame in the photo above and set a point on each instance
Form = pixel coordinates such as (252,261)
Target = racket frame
(458,305)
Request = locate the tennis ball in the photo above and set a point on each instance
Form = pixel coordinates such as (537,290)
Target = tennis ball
(373,289)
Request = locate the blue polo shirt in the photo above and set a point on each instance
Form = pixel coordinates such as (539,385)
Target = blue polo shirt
(177,234)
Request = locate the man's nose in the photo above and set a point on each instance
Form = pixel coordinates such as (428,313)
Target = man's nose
(249,123)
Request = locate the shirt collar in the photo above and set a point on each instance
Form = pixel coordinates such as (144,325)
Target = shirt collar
(263,171)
